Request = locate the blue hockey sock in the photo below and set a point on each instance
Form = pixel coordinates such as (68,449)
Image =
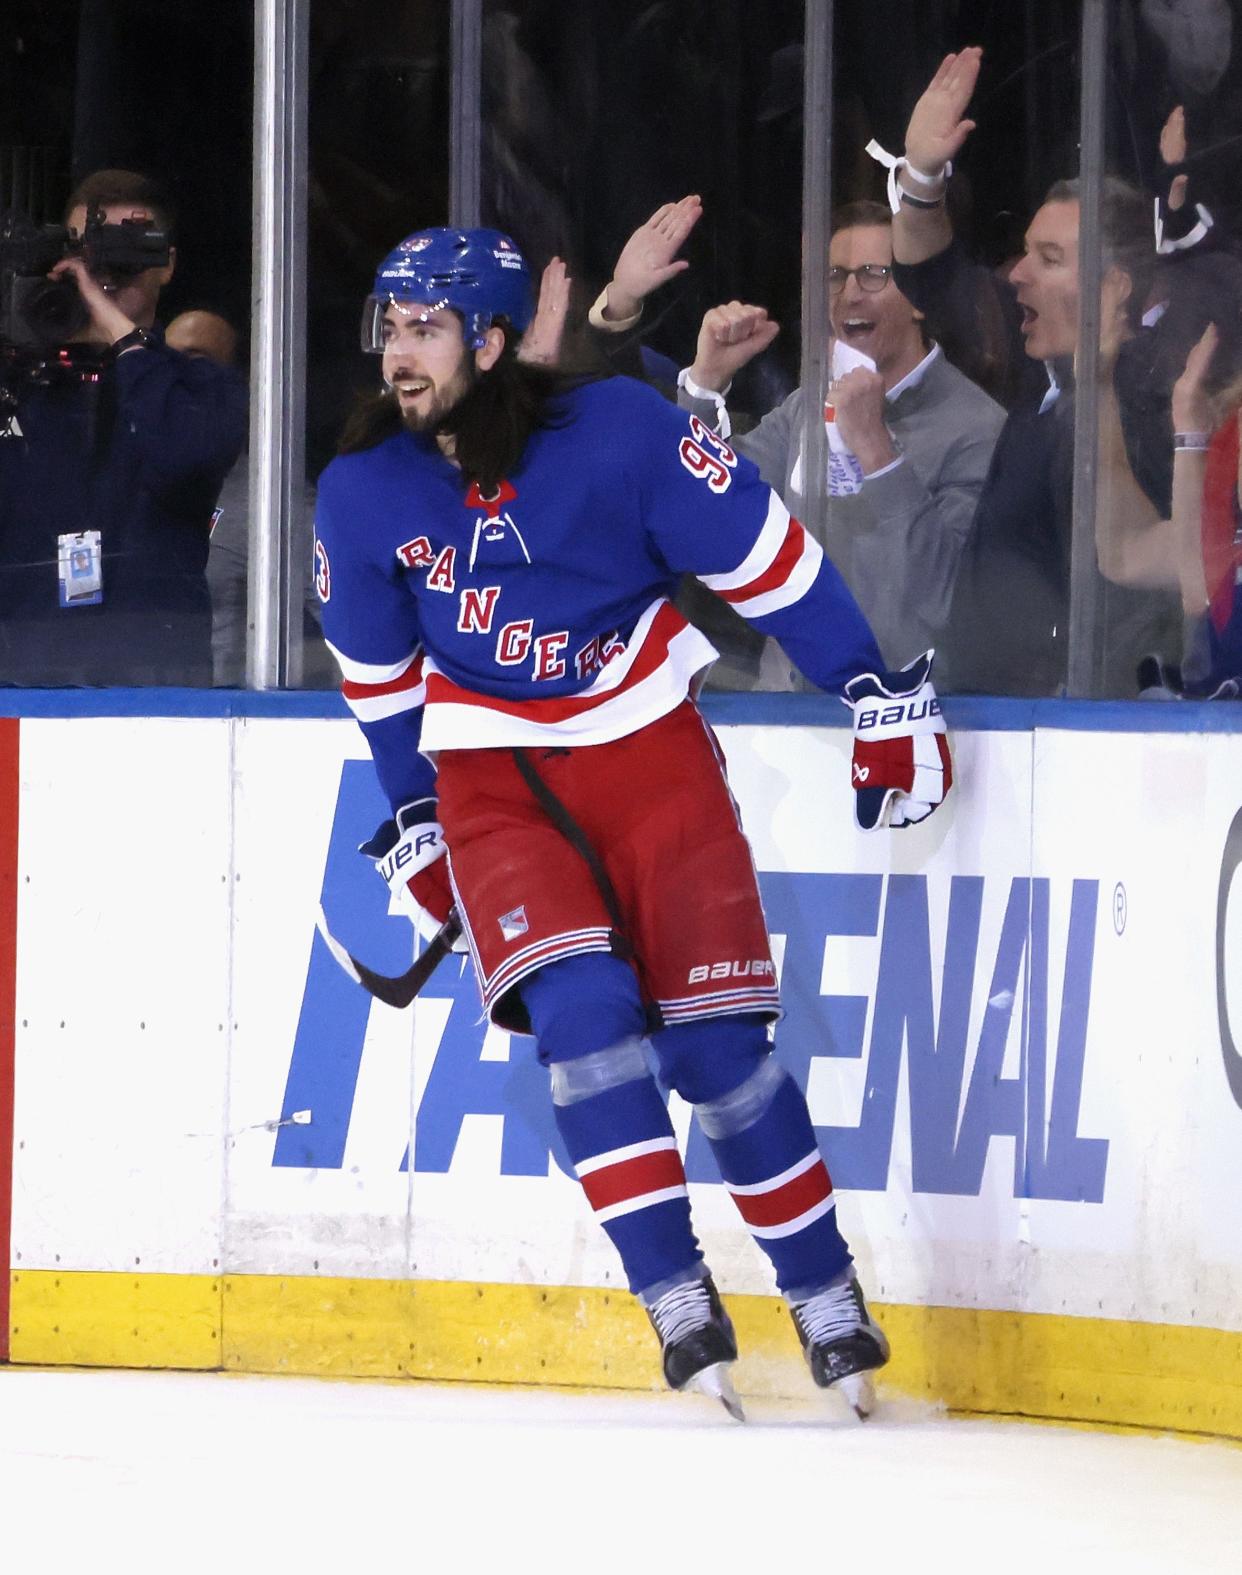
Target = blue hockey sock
(621,1142)
(764,1142)
(611,1116)
(755,1117)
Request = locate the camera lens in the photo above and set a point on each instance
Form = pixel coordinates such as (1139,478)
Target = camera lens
(53,309)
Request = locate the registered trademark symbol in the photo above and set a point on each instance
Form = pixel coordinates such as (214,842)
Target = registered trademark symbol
(1119,908)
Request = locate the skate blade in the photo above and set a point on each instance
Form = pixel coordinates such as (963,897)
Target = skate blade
(714,1381)
(859,1391)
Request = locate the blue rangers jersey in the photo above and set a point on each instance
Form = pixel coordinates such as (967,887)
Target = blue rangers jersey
(544,615)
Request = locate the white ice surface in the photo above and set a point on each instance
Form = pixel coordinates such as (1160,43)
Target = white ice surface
(176,1472)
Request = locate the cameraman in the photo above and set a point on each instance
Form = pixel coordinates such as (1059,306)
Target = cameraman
(111,459)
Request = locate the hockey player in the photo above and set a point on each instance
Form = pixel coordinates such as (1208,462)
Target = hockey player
(497,553)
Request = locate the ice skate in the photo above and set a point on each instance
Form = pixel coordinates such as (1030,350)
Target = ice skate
(697,1342)
(843,1344)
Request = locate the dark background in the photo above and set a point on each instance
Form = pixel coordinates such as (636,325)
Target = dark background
(594,112)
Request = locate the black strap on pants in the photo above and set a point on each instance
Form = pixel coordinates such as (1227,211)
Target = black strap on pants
(579,841)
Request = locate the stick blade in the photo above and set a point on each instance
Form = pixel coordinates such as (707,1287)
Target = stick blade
(397,992)
(394,990)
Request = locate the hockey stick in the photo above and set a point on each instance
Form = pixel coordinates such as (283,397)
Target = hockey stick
(400,989)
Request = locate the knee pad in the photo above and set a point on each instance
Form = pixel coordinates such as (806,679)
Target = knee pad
(739,1109)
(587,1075)
(707,1059)
(580,1005)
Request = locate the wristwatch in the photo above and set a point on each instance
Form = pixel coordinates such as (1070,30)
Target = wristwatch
(136,336)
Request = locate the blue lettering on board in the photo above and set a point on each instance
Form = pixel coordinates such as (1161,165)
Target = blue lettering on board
(920,1015)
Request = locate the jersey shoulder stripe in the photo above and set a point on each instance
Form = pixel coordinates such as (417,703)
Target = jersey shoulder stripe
(756,563)
(777,571)
(374,691)
(787,581)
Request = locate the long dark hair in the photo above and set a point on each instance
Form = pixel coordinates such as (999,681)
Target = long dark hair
(492,424)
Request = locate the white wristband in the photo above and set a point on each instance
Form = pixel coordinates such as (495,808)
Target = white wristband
(724,426)
(919,177)
(1192,236)
(894,165)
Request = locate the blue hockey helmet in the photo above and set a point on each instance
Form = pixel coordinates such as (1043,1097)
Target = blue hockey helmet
(479,274)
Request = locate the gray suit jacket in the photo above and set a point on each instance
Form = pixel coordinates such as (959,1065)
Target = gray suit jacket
(898,541)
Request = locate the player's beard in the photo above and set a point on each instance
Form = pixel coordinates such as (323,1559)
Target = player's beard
(446,399)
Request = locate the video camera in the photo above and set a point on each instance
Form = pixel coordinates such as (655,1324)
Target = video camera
(38,313)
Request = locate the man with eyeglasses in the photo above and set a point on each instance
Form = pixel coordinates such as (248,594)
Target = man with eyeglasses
(919,432)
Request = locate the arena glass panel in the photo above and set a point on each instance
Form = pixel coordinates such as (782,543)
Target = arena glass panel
(378,169)
(954,526)
(116,464)
(1166,620)
(595,116)
(951,466)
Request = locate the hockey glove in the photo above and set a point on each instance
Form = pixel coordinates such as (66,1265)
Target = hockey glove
(901,767)
(409,855)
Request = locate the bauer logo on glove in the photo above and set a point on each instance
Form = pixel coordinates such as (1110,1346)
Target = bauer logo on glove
(409,853)
(901,767)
